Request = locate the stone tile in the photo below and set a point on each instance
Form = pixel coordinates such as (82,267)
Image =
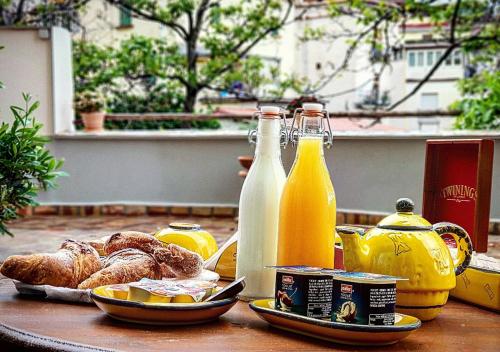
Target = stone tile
(179,210)
(340,218)
(494,228)
(157,210)
(25,211)
(113,210)
(69,210)
(45,233)
(135,210)
(201,211)
(90,210)
(350,218)
(46,210)
(223,211)
(362,219)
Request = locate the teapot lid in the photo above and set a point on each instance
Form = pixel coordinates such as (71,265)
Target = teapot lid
(404,219)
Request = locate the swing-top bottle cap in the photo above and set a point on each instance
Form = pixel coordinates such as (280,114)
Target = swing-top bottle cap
(312,107)
(272,110)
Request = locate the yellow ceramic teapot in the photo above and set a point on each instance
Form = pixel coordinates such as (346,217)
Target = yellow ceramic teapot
(406,245)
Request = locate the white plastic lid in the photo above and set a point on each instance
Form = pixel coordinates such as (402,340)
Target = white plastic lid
(267,109)
(312,107)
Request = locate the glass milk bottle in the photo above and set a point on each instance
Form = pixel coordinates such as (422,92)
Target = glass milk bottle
(308,205)
(259,208)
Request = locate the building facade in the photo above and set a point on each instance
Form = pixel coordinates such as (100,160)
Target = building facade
(316,60)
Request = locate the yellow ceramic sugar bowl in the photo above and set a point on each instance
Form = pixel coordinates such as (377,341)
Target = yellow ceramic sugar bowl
(189,236)
(406,245)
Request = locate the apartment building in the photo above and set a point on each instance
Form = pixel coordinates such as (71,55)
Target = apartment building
(316,60)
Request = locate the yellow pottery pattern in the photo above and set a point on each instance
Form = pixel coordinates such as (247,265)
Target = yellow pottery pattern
(406,245)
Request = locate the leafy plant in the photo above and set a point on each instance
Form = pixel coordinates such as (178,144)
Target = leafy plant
(480,108)
(93,66)
(41,13)
(89,101)
(26,166)
(133,79)
(216,38)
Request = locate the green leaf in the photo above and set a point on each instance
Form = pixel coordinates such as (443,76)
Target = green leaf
(26,166)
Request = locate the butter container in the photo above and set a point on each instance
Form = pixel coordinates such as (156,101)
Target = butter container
(148,294)
(170,291)
(304,290)
(363,298)
(119,291)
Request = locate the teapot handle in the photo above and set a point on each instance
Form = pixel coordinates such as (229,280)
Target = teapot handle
(464,244)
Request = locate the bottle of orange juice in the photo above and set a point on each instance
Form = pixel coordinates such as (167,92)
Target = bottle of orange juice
(308,206)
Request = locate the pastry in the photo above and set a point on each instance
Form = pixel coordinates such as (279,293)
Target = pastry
(131,239)
(123,266)
(98,244)
(178,262)
(74,262)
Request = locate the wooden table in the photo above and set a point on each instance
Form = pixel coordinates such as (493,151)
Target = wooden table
(48,325)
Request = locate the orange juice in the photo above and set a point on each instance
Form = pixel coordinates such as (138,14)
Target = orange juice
(307,209)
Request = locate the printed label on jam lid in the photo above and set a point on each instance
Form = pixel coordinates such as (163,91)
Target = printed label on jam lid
(304,293)
(367,303)
(369,277)
(303,269)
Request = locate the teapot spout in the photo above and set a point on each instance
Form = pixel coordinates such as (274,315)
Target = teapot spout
(352,244)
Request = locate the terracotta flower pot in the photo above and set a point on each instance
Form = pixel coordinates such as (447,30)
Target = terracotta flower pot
(246,161)
(93,121)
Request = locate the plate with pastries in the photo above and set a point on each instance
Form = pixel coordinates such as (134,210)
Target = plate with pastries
(77,267)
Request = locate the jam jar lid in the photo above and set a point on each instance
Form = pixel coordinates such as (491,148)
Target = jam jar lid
(185,226)
(404,218)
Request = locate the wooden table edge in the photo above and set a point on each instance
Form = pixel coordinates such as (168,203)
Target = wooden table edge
(28,340)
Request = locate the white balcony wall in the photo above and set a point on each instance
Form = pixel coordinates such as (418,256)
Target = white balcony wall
(25,66)
(369,171)
(38,62)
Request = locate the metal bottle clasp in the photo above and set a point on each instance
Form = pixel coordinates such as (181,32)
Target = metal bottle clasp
(296,131)
(252,134)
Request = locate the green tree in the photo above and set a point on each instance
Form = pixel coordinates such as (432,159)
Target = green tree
(132,76)
(93,66)
(41,13)
(480,107)
(221,33)
(471,26)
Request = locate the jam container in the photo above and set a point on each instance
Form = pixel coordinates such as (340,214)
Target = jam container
(304,290)
(189,236)
(363,298)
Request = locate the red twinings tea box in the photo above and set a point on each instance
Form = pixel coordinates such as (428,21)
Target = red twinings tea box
(457,185)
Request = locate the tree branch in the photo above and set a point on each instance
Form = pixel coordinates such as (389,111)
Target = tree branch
(437,65)
(19,11)
(427,76)
(177,28)
(249,47)
(453,45)
(454,22)
(349,53)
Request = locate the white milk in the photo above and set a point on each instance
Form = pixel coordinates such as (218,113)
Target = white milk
(259,211)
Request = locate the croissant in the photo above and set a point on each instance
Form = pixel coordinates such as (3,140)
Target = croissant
(178,262)
(98,244)
(131,239)
(74,262)
(126,265)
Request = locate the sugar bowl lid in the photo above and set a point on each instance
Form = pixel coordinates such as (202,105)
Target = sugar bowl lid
(404,218)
